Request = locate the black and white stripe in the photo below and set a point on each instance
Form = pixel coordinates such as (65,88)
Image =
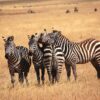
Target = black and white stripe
(18,60)
(53,58)
(75,53)
(37,57)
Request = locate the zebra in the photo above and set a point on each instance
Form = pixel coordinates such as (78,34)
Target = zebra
(18,60)
(37,57)
(75,53)
(54,59)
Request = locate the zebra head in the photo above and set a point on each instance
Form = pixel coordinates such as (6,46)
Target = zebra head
(9,46)
(33,43)
(48,38)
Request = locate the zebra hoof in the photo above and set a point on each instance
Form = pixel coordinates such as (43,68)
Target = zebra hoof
(98,75)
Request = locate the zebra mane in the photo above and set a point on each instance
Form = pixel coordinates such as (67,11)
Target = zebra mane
(63,36)
(32,36)
(59,33)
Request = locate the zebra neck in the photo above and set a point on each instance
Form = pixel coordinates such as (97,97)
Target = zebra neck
(14,59)
(37,57)
(37,53)
(65,44)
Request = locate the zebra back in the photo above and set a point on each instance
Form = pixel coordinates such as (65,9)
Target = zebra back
(24,53)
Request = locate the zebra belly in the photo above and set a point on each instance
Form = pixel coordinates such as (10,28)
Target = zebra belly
(85,61)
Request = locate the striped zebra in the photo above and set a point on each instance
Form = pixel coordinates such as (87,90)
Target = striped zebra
(75,53)
(53,59)
(18,60)
(37,57)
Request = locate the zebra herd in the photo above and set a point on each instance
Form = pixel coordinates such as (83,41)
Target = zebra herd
(50,50)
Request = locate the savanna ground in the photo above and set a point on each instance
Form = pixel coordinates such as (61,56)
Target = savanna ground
(15,19)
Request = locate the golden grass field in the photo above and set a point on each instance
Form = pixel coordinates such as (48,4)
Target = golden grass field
(14,20)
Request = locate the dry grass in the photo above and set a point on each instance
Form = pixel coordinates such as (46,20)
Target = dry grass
(75,26)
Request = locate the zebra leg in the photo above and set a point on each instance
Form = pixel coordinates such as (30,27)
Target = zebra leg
(26,71)
(42,75)
(25,75)
(53,75)
(12,76)
(21,77)
(57,76)
(98,72)
(59,70)
(49,73)
(12,79)
(53,79)
(96,66)
(37,73)
(68,70)
(74,71)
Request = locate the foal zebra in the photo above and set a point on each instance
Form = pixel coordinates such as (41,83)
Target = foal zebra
(75,53)
(37,57)
(18,60)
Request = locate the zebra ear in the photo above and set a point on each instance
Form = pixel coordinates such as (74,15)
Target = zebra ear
(41,34)
(54,31)
(35,33)
(45,31)
(12,37)
(28,37)
(4,39)
(32,36)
